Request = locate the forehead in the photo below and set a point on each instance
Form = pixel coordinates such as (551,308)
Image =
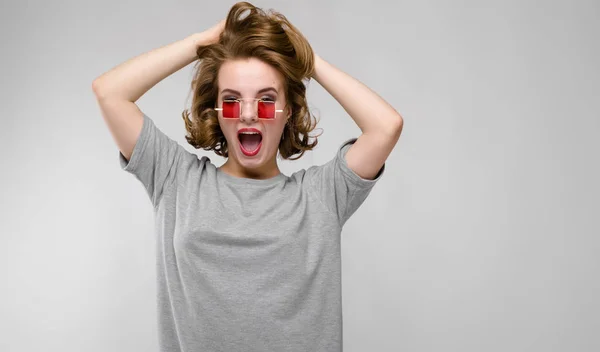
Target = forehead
(248,76)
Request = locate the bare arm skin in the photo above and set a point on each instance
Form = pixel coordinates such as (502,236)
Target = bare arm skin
(118,89)
(380,124)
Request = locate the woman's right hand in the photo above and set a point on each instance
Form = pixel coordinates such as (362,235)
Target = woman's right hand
(211,35)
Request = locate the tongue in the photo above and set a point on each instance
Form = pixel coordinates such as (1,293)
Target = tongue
(250,141)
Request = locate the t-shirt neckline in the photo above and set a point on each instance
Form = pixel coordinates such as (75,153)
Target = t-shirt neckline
(250,181)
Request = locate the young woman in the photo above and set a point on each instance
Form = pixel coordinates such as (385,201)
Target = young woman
(248,259)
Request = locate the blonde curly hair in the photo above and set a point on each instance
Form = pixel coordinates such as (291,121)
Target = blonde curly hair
(267,36)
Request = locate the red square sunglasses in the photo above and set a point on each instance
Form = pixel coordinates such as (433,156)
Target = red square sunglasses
(232,108)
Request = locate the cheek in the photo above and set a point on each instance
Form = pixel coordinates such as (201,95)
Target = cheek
(275,134)
(228,130)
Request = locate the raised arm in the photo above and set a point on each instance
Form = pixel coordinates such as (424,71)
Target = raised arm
(380,124)
(118,89)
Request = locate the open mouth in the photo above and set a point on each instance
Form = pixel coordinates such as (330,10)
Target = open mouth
(250,141)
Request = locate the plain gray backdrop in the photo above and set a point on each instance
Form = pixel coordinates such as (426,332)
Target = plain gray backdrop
(483,234)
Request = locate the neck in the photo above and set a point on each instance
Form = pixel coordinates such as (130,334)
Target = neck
(233,168)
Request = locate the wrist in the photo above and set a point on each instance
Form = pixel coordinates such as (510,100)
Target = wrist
(318,63)
(200,39)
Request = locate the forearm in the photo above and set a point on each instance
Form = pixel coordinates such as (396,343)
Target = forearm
(368,110)
(133,78)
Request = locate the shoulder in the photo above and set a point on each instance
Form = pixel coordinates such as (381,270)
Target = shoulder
(335,164)
(192,167)
(314,177)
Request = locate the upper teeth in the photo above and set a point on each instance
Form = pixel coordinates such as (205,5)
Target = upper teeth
(249,132)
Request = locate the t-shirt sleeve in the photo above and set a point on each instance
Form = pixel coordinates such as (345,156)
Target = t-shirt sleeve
(337,186)
(154,160)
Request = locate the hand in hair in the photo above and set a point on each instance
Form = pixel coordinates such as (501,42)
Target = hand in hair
(211,35)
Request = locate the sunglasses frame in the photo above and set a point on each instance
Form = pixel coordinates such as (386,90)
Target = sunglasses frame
(239,100)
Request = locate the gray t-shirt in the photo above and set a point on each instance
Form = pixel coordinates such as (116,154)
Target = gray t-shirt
(243,264)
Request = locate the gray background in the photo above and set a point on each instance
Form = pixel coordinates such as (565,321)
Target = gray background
(481,236)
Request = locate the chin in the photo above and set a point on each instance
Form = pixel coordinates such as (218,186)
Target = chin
(250,164)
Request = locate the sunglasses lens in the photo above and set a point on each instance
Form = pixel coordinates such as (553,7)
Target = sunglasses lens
(231,109)
(266,109)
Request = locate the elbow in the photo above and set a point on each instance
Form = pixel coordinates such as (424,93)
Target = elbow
(101,88)
(399,123)
(389,127)
(96,88)
(394,127)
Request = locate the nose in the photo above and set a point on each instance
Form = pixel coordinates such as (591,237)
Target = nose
(248,111)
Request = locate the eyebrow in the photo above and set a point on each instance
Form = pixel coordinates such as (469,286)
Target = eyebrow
(260,91)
